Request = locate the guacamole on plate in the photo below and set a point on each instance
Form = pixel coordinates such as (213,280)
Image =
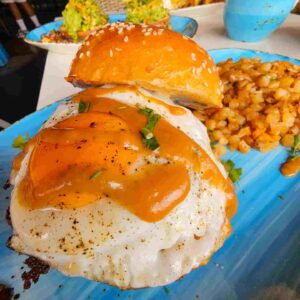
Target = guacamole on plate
(145,11)
(82,16)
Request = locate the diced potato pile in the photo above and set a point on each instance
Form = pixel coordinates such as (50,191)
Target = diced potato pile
(261,106)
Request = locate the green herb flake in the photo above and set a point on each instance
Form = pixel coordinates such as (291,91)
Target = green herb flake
(295,152)
(152,121)
(95,175)
(121,107)
(228,165)
(145,111)
(146,133)
(167,290)
(151,144)
(148,138)
(282,198)
(213,144)
(83,106)
(20,142)
(233,173)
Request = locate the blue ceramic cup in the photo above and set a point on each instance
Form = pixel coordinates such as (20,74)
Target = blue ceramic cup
(255,20)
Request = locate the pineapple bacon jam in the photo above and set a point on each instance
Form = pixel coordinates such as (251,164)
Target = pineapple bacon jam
(112,160)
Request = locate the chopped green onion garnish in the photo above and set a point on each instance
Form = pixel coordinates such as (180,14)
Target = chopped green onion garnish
(152,120)
(282,198)
(234,174)
(228,165)
(95,175)
(20,142)
(151,144)
(167,290)
(83,106)
(121,107)
(147,132)
(145,111)
(295,152)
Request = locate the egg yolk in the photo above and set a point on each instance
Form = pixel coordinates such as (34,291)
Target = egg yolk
(100,154)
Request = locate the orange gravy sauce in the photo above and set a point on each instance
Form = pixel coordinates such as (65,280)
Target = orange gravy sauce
(100,154)
(291,167)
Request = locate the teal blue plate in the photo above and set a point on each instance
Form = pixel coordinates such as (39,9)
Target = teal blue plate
(262,256)
(184,25)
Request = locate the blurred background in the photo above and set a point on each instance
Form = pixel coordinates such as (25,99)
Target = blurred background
(20,79)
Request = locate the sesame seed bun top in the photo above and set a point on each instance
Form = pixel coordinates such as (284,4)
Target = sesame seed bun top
(151,57)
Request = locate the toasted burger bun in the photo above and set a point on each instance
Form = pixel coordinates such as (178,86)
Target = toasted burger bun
(151,57)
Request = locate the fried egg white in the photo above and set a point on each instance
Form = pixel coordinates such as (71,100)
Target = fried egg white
(105,242)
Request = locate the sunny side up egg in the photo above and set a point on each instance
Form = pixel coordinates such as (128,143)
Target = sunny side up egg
(92,201)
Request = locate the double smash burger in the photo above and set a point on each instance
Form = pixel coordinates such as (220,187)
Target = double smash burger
(120,185)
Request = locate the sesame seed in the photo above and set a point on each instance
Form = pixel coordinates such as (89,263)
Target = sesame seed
(126,39)
(81,55)
(194,70)
(206,84)
(111,53)
(87,43)
(199,70)
(147,33)
(88,53)
(193,56)
(209,70)
(118,49)
(150,29)
(120,31)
